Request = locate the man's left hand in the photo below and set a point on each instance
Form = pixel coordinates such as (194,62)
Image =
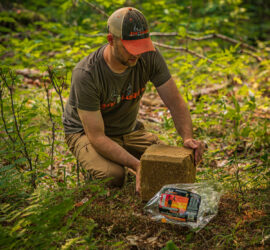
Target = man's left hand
(138,180)
(198,147)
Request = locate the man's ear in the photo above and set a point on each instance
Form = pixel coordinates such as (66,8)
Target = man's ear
(110,39)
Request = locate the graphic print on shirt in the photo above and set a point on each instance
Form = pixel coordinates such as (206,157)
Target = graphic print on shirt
(115,96)
(128,94)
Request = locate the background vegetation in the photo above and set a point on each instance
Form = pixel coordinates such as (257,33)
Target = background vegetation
(218,53)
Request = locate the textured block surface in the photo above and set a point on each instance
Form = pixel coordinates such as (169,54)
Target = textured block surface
(162,165)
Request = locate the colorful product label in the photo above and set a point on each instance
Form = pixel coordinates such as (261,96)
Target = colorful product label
(179,204)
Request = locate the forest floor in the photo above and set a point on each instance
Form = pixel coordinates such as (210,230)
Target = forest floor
(241,221)
(120,216)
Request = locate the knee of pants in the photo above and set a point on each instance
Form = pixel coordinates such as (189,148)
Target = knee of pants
(117,176)
(100,168)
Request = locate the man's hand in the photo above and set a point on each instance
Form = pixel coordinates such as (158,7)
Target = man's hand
(137,173)
(198,146)
(138,180)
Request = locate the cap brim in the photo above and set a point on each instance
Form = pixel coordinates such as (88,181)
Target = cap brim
(136,47)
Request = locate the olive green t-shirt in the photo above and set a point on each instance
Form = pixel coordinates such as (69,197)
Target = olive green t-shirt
(95,87)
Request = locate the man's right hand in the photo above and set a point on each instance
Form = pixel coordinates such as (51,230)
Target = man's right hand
(198,146)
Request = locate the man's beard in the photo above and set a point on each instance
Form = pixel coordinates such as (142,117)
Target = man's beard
(118,57)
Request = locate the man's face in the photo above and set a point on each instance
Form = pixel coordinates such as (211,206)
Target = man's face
(122,55)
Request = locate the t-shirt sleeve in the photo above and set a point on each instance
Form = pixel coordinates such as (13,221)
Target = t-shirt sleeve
(159,72)
(84,93)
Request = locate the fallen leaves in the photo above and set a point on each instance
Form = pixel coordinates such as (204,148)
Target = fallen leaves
(137,240)
(79,204)
(30,73)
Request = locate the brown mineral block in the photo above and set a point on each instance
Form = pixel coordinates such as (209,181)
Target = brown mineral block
(162,165)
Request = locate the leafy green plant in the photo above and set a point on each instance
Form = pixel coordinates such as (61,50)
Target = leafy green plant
(48,219)
(170,246)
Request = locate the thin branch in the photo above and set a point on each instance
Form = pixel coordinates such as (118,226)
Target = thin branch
(234,41)
(164,34)
(207,37)
(237,176)
(13,140)
(258,58)
(48,101)
(3,76)
(25,151)
(58,88)
(97,9)
(187,51)
(53,125)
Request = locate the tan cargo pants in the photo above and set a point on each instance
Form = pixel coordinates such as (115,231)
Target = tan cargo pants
(95,166)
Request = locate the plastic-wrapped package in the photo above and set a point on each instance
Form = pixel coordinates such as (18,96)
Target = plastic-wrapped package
(192,205)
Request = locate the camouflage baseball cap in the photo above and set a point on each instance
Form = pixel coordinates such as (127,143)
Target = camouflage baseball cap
(130,25)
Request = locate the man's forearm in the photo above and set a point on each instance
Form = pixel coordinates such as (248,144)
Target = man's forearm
(114,152)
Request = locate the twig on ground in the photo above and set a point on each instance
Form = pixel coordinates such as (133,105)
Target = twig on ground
(211,90)
(30,73)
(151,119)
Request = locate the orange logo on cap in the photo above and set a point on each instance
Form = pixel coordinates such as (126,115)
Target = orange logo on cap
(138,33)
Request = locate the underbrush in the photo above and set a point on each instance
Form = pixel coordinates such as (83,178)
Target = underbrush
(49,217)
